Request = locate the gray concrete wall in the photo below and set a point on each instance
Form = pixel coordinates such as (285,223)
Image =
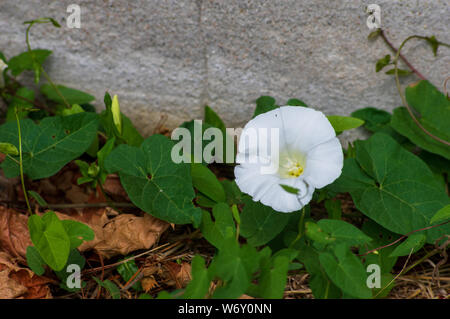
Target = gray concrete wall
(175,56)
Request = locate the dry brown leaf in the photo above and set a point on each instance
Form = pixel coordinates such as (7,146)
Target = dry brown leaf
(9,288)
(116,236)
(14,235)
(36,286)
(18,282)
(180,274)
(120,235)
(113,186)
(148,283)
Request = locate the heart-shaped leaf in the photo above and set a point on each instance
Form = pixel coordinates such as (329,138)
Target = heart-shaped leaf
(50,239)
(49,146)
(393,187)
(154,182)
(434,109)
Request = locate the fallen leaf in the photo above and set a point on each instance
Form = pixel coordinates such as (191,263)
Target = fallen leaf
(119,235)
(148,283)
(180,274)
(14,235)
(113,186)
(9,288)
(18,282)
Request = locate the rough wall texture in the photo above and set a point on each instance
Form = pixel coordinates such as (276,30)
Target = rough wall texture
(175,56)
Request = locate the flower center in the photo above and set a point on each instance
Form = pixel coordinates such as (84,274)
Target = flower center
(295,170)
(291,165)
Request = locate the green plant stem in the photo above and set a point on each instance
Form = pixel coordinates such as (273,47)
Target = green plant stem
(21,164)
(41,69)
(301,227)
(399,88)
(386,40)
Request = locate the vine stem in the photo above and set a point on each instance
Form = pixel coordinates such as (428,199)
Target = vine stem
(389,43)
(403,237)
(21,164)
(41,69)
(397,82)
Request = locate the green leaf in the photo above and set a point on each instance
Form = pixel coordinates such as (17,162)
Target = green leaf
(213,119)
(333,208)
(343,232)
(434,43)
(235,266)
(127,270)
(232,192)
(344,123)
(442,215)
(380,237)
(206,182)
(346,271)
(296,102)
(50,239)
(75,109)
(9,149)
(21,101)
(272,281)
(154,182)
(381,63)
(72,96)
(24,61)
(393,187)
(35,261)
(38,198)
(321,286)
(400,72)
(290,189)
(434,109)
(77,232)
(216,232)
(105,151)
(374,34)
(264,104)
(129,134)
(110,287)
(198,287)
(204,201)
(412,244)
(49,146)
(75,258)
(374,119)
(260,223)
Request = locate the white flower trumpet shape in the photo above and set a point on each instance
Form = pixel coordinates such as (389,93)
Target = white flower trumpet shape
(282,169)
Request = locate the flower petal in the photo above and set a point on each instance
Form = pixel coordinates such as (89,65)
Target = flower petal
(266,188)
(305,128)
(324,163)
(261,128)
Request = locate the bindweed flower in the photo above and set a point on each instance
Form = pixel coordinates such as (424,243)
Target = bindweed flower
(282,169)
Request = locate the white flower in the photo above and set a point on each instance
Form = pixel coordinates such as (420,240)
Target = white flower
(308,156)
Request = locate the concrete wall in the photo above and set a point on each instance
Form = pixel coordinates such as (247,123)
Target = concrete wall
(175,56)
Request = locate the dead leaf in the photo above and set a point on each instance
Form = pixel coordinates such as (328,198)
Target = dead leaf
(180,274)
(113,186)
(36,286)
(18,282)
(9,288)
(119,235)
(148,283)
(113,236)
(14,235)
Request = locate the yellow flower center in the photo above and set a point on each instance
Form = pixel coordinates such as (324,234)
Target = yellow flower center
(291,165)
(296,170)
